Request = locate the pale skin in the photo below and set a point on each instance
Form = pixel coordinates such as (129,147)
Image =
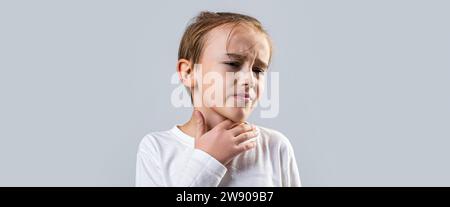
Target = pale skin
(221,131)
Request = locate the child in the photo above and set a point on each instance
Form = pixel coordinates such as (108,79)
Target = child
(217,147)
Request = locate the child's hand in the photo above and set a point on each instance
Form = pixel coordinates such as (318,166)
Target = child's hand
(224,141)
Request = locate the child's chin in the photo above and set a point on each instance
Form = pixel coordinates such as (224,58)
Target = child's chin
(235,114)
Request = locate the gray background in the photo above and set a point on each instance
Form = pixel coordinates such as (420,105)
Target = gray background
(364,87)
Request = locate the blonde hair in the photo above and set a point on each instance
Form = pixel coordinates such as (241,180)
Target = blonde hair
(194,37)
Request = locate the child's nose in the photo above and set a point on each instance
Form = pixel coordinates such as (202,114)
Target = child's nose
(246,77)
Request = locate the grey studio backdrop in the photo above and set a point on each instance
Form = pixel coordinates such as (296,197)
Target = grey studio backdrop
(364,87)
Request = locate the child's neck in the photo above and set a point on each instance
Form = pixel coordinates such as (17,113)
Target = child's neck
(210,117)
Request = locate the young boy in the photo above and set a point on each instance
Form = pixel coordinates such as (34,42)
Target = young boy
(217,147)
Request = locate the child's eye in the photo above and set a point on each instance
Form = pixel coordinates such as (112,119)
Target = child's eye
(258,70)
(233,64)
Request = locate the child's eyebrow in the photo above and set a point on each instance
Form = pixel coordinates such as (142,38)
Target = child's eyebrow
(241,57)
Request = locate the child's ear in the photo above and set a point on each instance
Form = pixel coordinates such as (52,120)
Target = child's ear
(186,72)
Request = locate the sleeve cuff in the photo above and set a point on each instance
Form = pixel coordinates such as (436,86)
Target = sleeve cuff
(202,170)
(211,164)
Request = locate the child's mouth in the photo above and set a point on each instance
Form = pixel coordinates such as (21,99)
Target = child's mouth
(243,96)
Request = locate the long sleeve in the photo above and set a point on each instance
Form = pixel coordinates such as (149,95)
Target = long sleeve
(199,170)
(291,177)
(148,171)
(202,170)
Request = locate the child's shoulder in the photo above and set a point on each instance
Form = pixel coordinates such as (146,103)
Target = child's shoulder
(153,140)
(274,137)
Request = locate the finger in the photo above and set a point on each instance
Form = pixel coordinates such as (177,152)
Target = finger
(200,124)
(226,124)
(242,128)
(238,123)
(245,136)
(246,146)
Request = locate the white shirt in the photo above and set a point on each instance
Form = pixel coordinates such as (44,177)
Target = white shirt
(168,158)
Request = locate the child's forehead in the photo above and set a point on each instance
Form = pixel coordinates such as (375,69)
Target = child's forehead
(241,39)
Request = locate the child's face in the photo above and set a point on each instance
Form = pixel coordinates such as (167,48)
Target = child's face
(244,53)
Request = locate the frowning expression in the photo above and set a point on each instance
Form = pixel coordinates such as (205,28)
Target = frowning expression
(238,55)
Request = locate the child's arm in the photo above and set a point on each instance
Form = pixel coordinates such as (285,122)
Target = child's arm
(201,169)
(213,150)
(226,140)
(291,177)
(205,165)
(148,171)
